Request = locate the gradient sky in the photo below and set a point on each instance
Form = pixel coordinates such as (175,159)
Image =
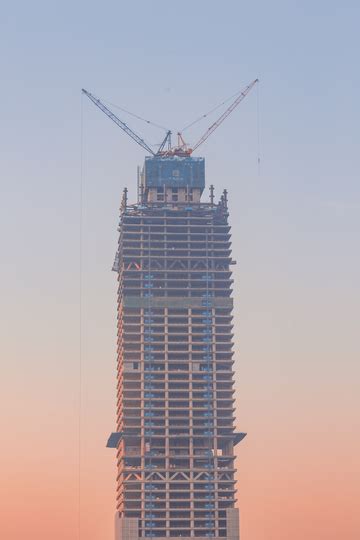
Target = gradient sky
(296,223)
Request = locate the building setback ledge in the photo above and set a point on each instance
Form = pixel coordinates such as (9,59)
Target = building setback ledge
(238,437)
(114,439)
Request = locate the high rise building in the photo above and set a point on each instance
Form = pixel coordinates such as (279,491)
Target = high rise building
(175,432)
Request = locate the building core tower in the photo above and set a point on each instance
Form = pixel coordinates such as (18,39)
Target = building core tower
(175,432)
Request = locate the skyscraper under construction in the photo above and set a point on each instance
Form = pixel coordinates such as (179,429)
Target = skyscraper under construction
(175,433)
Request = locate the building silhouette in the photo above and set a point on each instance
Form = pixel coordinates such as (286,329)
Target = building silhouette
(175,433)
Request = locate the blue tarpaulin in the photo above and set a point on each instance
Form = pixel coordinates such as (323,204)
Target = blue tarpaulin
(175,171)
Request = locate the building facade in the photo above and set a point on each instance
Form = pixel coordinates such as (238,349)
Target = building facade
(175,433)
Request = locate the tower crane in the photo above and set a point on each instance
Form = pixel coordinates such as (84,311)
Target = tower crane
(182,148)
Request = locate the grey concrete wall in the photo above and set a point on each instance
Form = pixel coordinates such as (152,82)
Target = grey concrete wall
(233,524)
(126,528)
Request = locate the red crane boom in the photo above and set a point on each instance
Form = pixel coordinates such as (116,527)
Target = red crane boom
(225,114)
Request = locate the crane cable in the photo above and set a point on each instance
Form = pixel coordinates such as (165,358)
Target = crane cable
(210,112)
(80,368)
(135,115)
(258,128)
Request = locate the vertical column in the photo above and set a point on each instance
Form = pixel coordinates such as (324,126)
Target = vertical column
(142,412)
(167,450)
(191,421)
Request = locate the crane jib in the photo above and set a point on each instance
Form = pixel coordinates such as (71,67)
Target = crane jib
(182,149)
(118,122)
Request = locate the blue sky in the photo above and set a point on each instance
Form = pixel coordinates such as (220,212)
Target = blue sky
(295,220)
